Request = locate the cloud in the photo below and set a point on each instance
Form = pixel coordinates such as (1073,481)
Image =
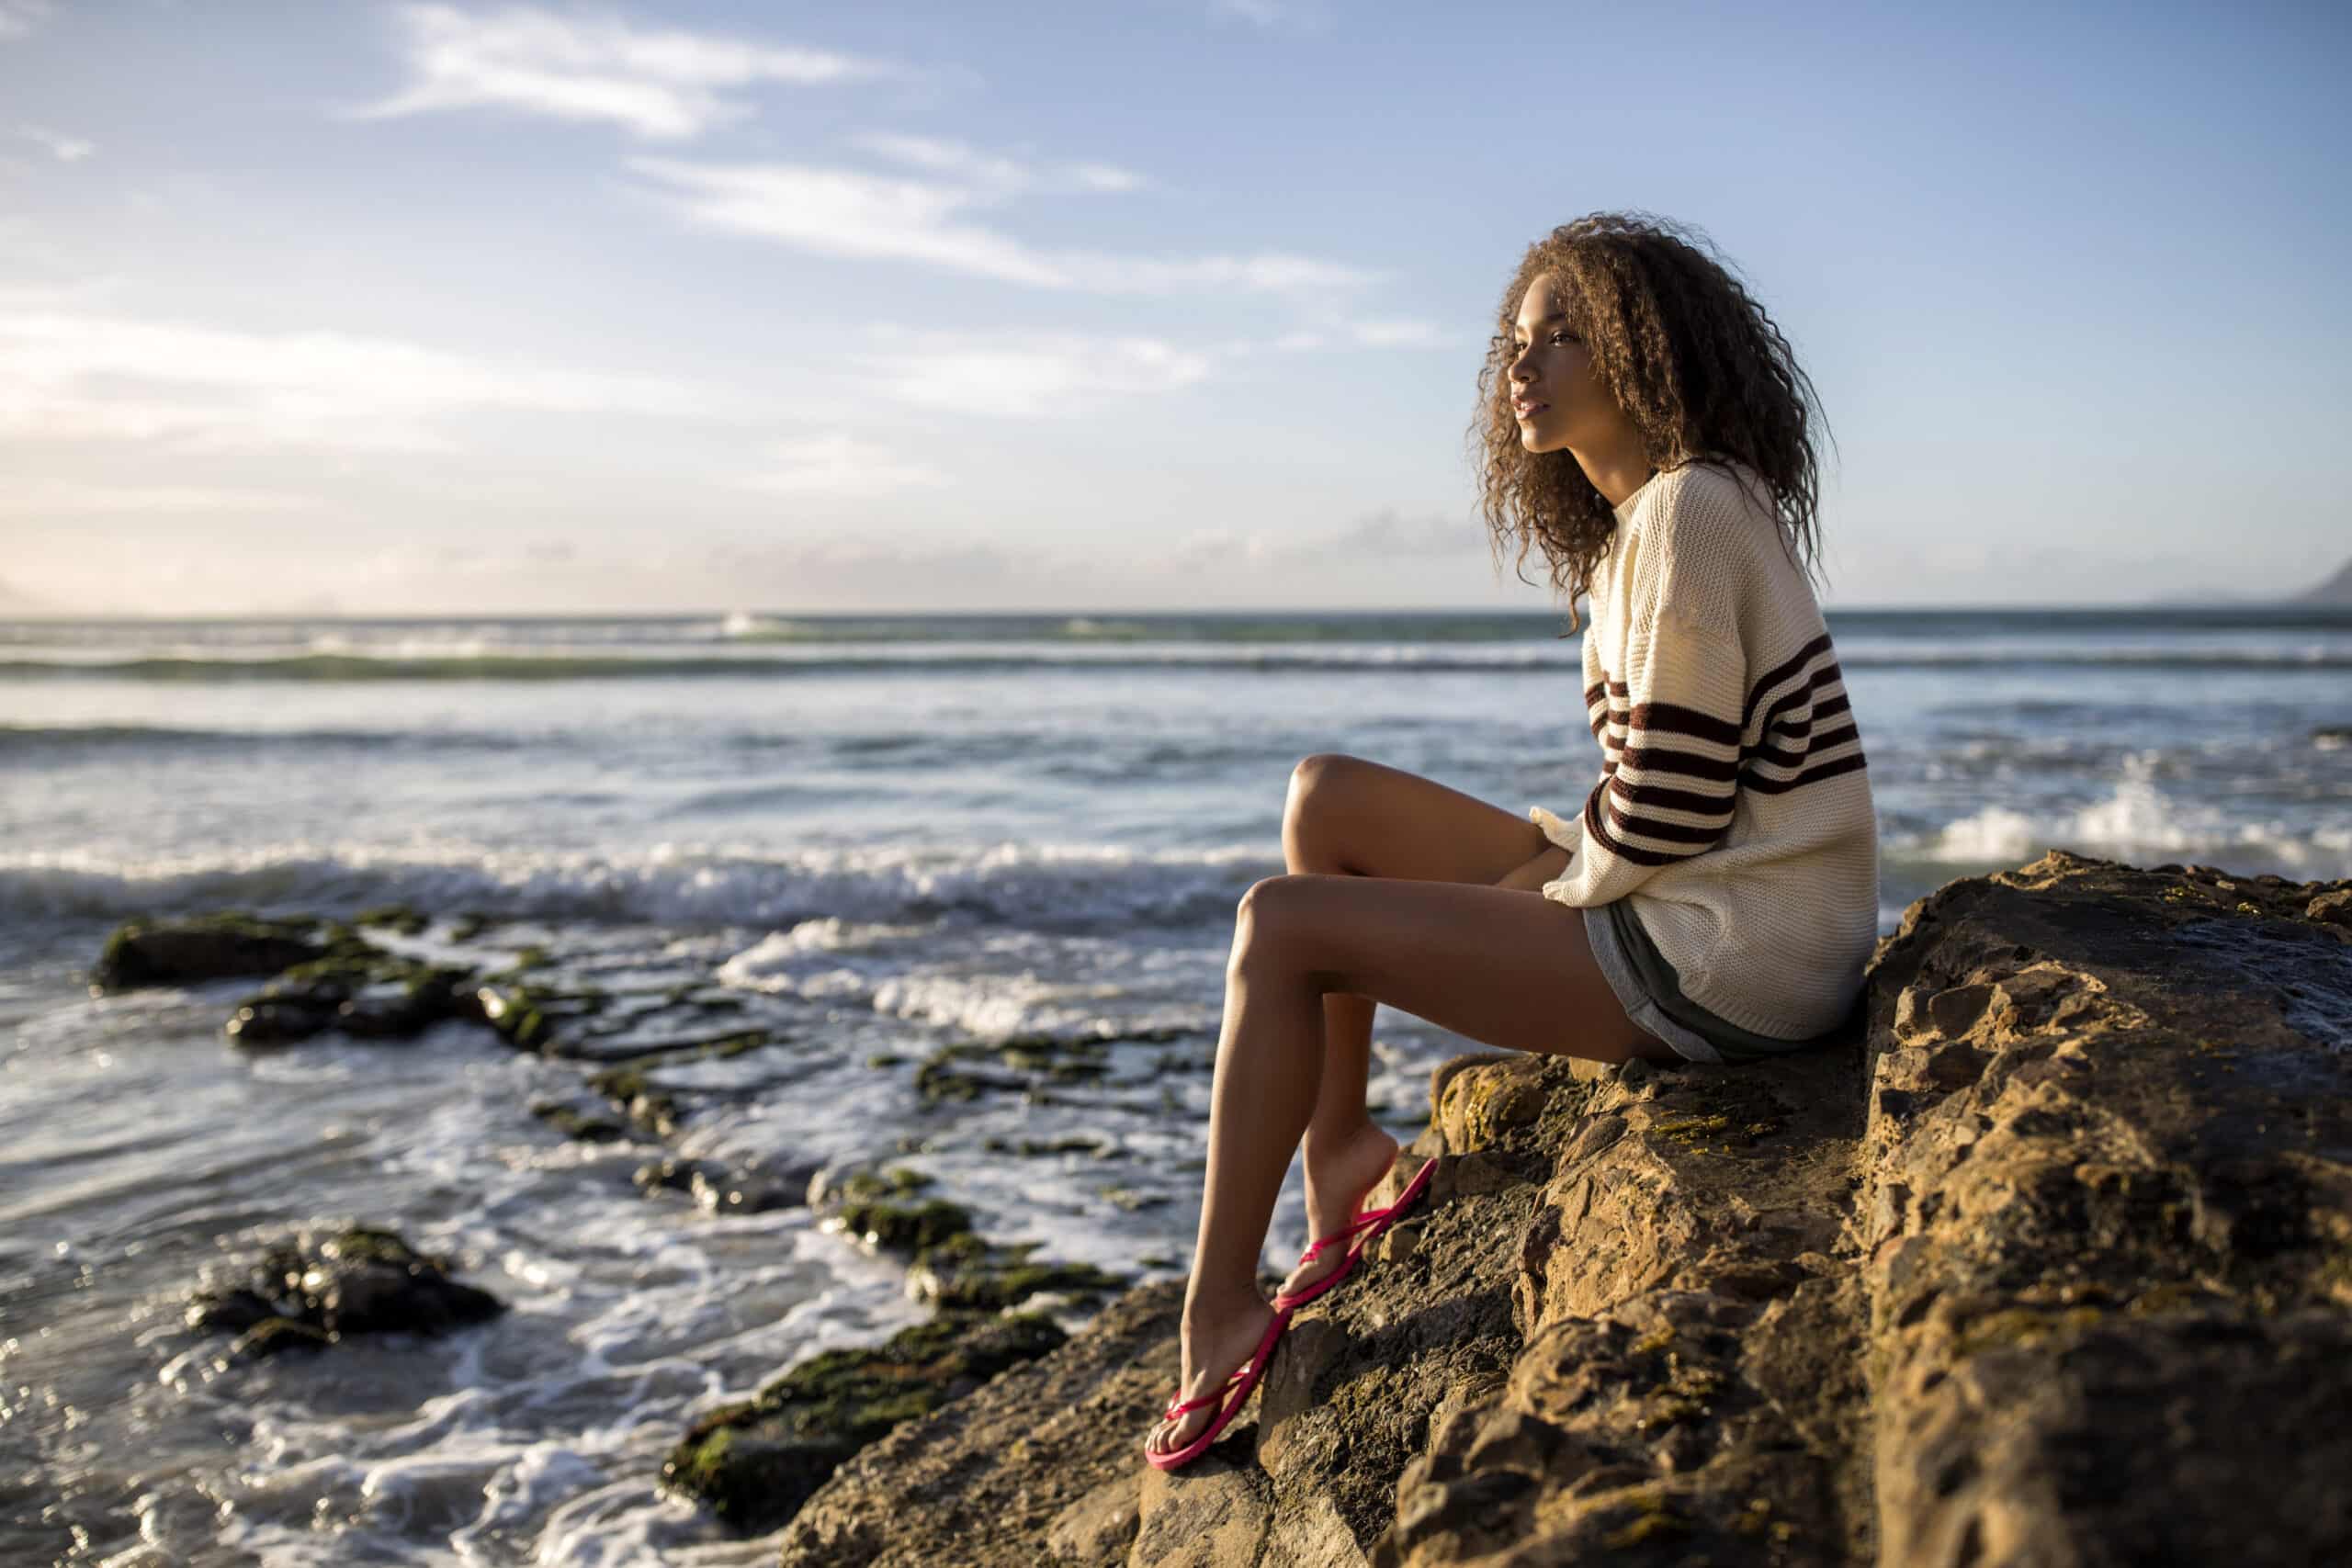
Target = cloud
(53,497)
(1029,376)
(940,155)
(63,148)
(19,17)
(844,571)
(849,213)
(841,465)
(663,84)
(1383,536)
(64,373)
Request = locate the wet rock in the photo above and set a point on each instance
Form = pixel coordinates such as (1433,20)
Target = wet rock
(901,1228)
(2052,1264)
(753,1189)
(753,1462)
(204,947)
(356,988)
(656,1111)
(319,1287)
(674,1175)
(968,1272)
(405,919)
(579,1122)
(1053,1480)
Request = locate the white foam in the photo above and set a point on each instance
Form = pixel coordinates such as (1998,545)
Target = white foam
(668,884)
(2136,822)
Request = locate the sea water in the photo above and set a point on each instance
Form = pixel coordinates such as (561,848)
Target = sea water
(911,829)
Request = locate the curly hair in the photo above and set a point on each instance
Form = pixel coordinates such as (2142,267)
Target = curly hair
(1699,369)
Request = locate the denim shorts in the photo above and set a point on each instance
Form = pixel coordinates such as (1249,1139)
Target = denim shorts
(1652,994)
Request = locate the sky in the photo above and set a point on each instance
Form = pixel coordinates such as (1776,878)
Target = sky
(443,308)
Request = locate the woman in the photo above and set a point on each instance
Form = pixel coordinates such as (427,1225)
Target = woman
(1716,899)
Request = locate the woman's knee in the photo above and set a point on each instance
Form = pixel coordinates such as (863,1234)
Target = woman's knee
(1265,918)
(1316,786)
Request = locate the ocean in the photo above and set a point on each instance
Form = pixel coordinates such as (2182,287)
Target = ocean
(881,834)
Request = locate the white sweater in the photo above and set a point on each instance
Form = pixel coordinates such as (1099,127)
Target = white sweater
(1732,806)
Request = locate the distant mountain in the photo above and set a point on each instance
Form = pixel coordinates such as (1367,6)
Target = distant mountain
(2336,589)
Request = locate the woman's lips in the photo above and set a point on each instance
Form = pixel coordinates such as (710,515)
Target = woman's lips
(1528,411)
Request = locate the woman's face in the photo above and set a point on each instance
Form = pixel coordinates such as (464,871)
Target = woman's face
(1553,391)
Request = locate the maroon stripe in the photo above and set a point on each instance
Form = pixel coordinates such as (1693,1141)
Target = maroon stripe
(1607,840)
(1794,728)
(1673,719)
(1663,760)
(1796,697)
(1818,771)
(1821,741)
(1673,799)
(1698,838)
(1797,662)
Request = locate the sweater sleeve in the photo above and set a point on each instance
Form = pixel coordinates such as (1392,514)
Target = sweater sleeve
(1670,745)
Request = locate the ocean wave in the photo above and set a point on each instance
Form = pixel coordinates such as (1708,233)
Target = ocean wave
(58,737)
(1035,886)
(1377,659)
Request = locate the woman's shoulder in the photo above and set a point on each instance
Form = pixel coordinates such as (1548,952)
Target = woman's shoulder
(1715,491)
(1715,508)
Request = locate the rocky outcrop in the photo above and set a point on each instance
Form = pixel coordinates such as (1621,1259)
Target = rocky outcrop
(2050,1263)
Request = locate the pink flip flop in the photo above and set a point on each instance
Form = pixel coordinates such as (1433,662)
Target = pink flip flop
(1370,1223)
(1247,1375)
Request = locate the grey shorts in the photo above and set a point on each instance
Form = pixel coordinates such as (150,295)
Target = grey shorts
(1652,994)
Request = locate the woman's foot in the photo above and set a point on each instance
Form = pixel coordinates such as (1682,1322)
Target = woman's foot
(1338,1182)
(1216,1346)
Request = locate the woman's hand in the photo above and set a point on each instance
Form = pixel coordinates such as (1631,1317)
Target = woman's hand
(1549,865)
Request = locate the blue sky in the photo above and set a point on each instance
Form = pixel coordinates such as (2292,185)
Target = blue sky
(419,309)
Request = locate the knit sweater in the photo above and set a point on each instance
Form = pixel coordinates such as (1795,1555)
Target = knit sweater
(1732,807)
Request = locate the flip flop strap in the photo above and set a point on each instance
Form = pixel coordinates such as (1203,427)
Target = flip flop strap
(1368,1217)
(1216,1396)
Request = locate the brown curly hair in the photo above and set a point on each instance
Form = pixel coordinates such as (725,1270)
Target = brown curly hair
(1696,364)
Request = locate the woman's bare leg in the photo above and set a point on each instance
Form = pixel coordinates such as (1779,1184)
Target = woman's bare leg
(1505,967)
(1349,816)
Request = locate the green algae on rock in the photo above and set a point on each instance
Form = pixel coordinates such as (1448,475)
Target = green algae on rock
(217,946)
(753,1462)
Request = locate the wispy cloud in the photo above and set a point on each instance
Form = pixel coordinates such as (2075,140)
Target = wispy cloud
(846,212)
(1027,376)
(42,498)
(940,155)
(841,465)
(1383,535)
(79,375)
(661,83)
(849,570)
(19,17)
(63,148)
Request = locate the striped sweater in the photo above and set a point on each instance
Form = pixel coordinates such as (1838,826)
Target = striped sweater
(1732,806)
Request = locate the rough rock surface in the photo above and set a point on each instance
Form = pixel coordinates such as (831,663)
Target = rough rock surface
(2052,1265)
